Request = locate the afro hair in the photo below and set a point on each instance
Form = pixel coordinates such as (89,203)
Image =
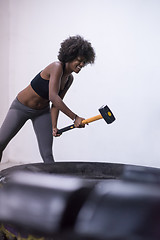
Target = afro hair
(76,46)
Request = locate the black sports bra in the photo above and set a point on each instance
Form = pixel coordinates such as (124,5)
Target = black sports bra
(40,86)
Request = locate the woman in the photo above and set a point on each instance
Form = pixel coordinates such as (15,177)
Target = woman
(51,84)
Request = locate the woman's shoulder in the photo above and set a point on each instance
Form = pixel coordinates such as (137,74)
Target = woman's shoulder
(52,68)
(55,65)
(70,79)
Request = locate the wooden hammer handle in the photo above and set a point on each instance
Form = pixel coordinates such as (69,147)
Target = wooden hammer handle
(92,119)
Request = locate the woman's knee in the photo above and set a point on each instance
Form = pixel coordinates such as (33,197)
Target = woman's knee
(47,156)
(2,144)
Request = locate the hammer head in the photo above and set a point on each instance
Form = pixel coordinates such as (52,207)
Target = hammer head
(107,114)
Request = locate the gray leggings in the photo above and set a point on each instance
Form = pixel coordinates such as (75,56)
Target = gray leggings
(17,115)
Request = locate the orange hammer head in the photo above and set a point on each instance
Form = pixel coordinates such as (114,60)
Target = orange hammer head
(107,114)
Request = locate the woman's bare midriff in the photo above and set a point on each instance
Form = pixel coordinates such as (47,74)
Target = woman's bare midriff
(31,99)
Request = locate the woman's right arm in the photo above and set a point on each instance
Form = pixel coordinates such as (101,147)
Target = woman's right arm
(54,88)
(56,73)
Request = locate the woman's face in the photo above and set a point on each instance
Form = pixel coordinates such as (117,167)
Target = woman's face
(77,64)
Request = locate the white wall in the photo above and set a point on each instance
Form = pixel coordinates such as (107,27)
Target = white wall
(4,60)
(125,76)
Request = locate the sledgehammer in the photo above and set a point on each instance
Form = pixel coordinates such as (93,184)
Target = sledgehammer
(105,113)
